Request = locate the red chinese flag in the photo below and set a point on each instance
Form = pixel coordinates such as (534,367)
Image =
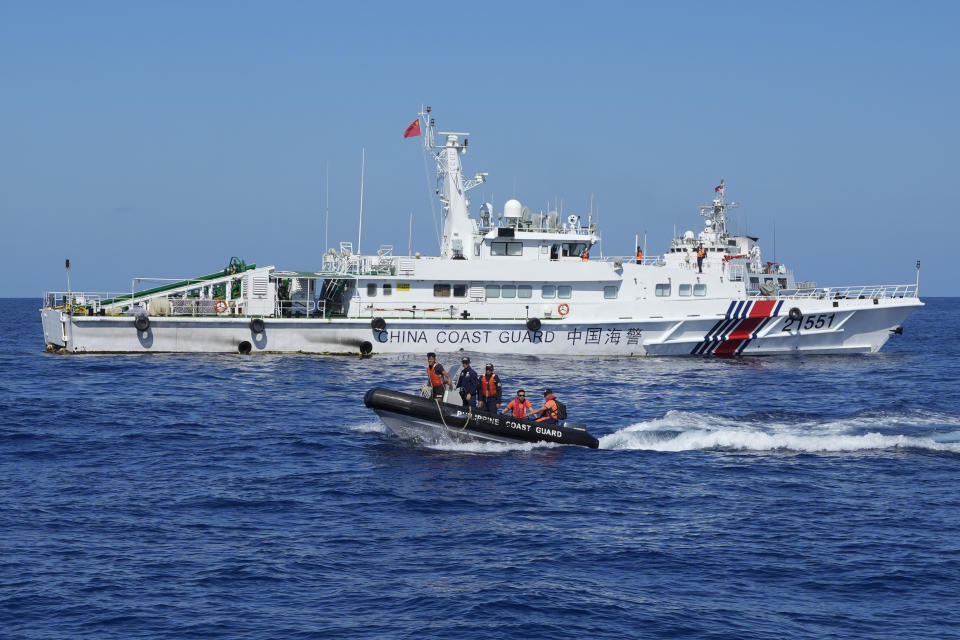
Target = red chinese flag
(413,129)
(717,188)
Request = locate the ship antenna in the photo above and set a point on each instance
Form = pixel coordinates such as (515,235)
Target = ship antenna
(429,126)
(326,218)
(363,162)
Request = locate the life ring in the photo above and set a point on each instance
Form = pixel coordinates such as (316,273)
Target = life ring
(220,306)
(563,309)
(795,314)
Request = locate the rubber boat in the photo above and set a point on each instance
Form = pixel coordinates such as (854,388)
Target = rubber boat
(431,421)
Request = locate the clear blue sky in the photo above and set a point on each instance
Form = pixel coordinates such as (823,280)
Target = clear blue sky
(159,139)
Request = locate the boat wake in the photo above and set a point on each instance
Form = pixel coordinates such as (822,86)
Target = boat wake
(371,426)
(687,431)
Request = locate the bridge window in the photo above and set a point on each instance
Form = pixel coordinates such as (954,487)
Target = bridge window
(371,290)
(548,291)
(493,291)
(573,248)
(508,291)
(663,290)
(441,291)
(506,248)
(685,289)
(459,291)
(610,292)
(524,291)
(388,289)
(564,291)
(699,289)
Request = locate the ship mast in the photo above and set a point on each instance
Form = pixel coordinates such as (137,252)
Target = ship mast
(458,228)
(716,213)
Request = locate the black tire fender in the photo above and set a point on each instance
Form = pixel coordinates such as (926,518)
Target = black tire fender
(257,325)
(795,314)
(142,323)
(378,324)
(245,347)
(534,324)
(366,348)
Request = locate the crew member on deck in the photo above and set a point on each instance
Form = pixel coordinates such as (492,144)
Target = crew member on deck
(519,405)
(468,382)
(548,412)
(701,253)
(436,376)
(585,256)
(490,390)
(639,256)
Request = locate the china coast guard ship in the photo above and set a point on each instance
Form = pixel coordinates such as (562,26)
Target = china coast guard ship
(516,282)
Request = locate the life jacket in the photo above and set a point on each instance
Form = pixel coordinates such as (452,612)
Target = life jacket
(436,379)
(551,409)
(585,256)
(639,254)
(701,253)
(519,408)
(488,386)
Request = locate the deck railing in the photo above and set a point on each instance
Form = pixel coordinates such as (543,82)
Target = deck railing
(853,292)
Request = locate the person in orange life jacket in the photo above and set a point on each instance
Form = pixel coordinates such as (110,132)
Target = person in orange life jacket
(468,383)
(490,390)
(436,376)
(519,405)
(585,256)
(639,256)
(701,252)
(548,412)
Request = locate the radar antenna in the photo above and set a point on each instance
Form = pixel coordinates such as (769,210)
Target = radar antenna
(717,211)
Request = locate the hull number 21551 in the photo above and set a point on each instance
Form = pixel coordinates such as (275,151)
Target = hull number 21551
(819,321)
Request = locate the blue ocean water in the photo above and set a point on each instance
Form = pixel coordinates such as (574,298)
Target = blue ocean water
(173,496)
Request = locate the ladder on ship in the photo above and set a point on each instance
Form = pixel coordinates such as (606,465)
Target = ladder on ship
(332,296)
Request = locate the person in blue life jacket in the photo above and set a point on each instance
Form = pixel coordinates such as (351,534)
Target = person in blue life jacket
(468,382)
(490,390)
(437,378)
(549,412)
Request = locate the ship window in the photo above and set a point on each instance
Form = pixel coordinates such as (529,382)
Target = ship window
(371,290)
(441,291)
(549,291)
(564,291)
(685,289)
(663,290)
(574,248)
(610,292)
(506,248)
(508,291)
(459,291)
(493,291)
(388,289)
(524,291)
(699,289)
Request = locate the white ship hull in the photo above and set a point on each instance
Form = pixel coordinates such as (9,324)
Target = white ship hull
(856,326)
